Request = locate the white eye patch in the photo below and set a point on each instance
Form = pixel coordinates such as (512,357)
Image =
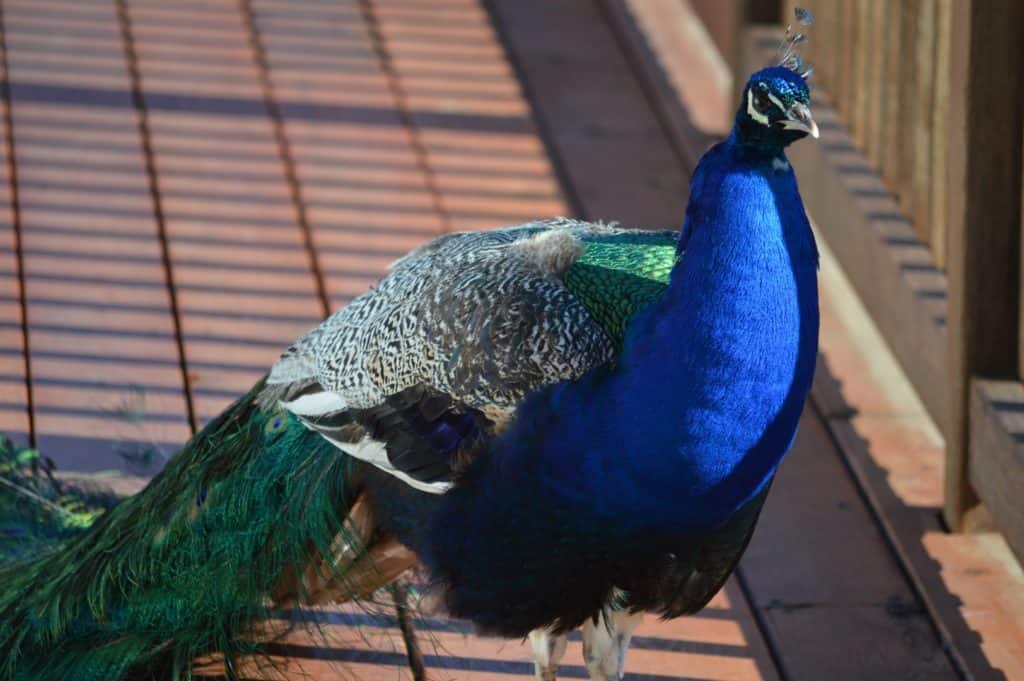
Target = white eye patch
(757,115)
(754,113)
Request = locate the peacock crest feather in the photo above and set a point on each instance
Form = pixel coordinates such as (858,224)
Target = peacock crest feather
(788,54)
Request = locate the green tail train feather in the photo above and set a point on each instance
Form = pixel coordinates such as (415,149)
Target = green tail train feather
(38,510)
(184,568)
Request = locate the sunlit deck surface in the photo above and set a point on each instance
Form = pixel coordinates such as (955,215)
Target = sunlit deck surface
(191,185)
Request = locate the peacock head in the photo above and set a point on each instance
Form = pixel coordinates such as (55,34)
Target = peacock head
(775,110)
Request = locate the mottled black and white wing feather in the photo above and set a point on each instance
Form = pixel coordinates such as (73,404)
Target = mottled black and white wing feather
(418,371)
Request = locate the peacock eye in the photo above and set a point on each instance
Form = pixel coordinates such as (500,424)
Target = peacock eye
(761,101)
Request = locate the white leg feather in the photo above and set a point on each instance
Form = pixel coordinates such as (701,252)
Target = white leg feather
(625,624)
(605,643)
(548,650)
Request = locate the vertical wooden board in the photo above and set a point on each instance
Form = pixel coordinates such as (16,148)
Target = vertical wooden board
(614,152)
(892,132)
(488,166)
(939,186)
(241,269)
(363,182)
(859,75)
(837,38)
(833,596)
(825,44)
(908,104)
(845,80)
(921,132)
(14,417)
(106,375)
(879,29)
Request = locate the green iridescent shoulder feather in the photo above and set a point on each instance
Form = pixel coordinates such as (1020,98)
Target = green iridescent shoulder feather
(618,274)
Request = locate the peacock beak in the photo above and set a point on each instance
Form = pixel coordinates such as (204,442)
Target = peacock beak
(799,118)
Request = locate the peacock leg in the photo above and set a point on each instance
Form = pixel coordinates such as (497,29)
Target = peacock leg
(625,624)
(548,649)
(400,594)
(605,642)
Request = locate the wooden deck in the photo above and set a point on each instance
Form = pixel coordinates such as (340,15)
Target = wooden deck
(190,185)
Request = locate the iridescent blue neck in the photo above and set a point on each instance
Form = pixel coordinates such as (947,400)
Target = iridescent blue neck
(710,386)
(742,316)
(753,139)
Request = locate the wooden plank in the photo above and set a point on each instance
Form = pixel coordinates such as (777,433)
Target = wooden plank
(986,109)
(367,194)
(426,71)
(207,118)
(14,406)
(614,152)
(970,584)
(721,643)
(997,454)
(107,384)
(832,612)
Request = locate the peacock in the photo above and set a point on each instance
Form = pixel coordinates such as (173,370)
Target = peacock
(564,424)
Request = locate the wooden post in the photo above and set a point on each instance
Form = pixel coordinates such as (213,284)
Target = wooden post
(986,100)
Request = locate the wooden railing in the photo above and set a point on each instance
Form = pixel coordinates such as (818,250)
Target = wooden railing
(887,68)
